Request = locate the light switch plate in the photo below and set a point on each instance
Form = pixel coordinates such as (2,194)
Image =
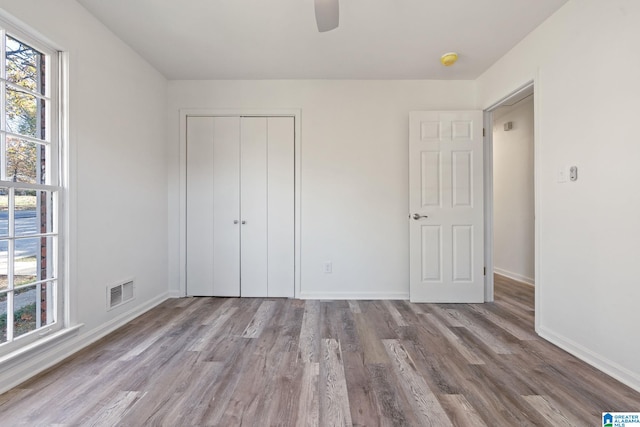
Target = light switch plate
(562,174)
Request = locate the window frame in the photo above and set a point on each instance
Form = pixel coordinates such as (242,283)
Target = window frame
(55,183)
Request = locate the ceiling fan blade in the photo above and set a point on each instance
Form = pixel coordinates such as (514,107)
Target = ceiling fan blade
(327,14)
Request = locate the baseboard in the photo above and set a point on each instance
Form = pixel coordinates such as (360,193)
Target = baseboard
(620,373)
(39,361)
(514,276)
(354,295)
(175,294)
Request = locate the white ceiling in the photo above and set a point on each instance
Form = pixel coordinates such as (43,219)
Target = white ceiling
(278,39)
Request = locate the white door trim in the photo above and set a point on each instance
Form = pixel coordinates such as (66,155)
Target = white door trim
(488,191)
(183,113)
(488,204)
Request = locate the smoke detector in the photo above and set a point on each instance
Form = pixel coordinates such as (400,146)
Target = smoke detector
(449,58)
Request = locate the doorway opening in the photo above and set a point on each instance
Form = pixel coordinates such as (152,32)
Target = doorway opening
(510,191)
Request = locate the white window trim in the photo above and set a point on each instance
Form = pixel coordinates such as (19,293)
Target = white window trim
(57,135)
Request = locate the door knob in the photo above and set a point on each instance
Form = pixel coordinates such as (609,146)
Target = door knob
(418,216)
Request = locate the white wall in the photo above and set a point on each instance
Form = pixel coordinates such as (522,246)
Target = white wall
(513,201)
(118,170)
(586,65)
(354,172)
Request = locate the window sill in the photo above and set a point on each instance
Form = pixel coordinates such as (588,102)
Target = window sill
(39,346)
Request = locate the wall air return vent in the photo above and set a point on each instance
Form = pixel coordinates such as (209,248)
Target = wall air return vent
(120,293)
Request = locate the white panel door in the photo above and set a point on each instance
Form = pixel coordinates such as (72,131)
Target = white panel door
(446,206)
(213,206)
(253,207)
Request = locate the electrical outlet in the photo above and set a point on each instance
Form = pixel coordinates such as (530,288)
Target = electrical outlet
(327,267)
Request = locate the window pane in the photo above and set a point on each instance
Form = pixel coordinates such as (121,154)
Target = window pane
(33,212)
(3,317)
(25,114)
(25,66)
(45,212)
(47,310)
(4,262)
(45,258)
(25,264)
(33,260)
(26,161)
(4,212)
(24,310)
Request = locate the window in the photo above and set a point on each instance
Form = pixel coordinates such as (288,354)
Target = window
(30,189)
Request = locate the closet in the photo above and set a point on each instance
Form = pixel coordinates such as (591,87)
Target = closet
(240,206)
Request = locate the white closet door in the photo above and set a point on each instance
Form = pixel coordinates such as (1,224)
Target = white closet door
(199,206)
(253,207)
(240,169)
(213,206)
(280,209)
(226,207)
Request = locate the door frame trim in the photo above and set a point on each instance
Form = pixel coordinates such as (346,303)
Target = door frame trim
(296,113)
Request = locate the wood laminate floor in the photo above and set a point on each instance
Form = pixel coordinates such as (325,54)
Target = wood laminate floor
(262,362)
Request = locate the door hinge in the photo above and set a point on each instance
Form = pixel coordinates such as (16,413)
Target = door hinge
(484,271)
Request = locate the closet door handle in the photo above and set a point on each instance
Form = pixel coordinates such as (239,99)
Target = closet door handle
(244,222)
(235,221)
